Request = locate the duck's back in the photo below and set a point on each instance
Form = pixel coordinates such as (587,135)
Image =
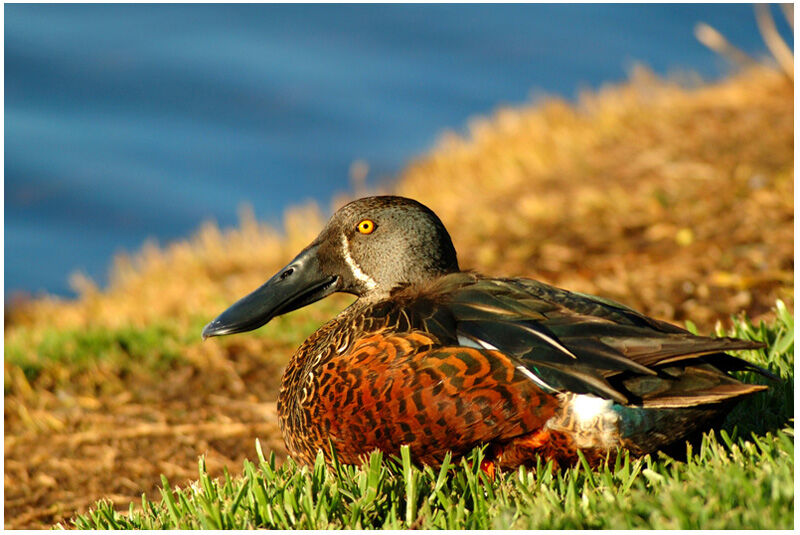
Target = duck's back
(522,366)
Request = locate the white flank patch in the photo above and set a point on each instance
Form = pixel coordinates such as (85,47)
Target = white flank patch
(355,268)
(589,420)
(587,408)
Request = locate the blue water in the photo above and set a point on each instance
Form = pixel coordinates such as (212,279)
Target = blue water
(128,122)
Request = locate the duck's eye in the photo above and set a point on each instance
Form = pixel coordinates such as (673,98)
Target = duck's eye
(366,226)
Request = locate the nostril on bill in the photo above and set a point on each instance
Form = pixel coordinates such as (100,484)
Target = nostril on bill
(287,273)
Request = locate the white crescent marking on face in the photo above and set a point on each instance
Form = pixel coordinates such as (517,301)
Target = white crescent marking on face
(368,281)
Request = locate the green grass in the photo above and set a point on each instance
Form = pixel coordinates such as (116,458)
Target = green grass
(153,347)
(739,477)
(64,354)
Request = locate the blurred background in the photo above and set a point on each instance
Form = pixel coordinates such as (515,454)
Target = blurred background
(627,151)
(124,123)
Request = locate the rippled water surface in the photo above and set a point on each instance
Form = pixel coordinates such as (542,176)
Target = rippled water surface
(124,122)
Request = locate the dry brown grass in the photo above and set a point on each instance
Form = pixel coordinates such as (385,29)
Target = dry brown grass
(676,201)
(183,279)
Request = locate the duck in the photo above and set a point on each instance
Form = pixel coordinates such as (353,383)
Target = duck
(445,360)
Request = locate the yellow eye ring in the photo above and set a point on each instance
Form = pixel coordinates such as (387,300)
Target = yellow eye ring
(366,226)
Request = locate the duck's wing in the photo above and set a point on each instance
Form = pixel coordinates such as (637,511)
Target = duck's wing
(584,344)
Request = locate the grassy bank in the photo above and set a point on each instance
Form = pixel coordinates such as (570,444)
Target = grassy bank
(742,478)
(641,494)
(675,200)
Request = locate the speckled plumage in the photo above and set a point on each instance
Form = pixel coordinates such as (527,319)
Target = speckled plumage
(445,360)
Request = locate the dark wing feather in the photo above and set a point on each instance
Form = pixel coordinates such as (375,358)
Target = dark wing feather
(584,344)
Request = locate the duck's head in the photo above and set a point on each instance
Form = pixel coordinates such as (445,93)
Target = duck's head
(368,248)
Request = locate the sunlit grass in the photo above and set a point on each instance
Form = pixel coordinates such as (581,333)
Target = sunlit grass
(735,479)
(96,355)
(727,484)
